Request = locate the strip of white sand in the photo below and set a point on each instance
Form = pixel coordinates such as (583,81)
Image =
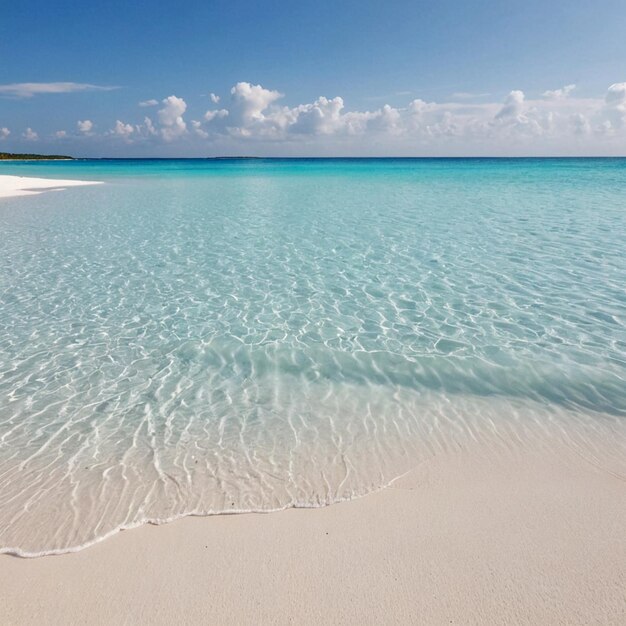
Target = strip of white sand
(12,186)
(533,536)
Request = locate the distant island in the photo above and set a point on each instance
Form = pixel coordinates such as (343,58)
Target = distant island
(11,156)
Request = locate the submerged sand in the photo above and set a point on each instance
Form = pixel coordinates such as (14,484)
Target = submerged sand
(12,186)
(530,536)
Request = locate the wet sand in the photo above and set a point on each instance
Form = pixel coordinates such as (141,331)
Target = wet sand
(523,537)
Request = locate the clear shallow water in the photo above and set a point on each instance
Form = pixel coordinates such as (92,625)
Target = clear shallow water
(198,337)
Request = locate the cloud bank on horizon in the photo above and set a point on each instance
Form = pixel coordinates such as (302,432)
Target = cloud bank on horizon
(252,120)
(28,90)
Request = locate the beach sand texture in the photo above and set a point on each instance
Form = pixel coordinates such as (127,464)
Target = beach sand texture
(465,538)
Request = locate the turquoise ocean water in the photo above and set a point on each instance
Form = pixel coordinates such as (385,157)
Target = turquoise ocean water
(210,336)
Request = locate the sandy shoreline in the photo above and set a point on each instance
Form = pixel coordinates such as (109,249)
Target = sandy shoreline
(527,537)
(13,186)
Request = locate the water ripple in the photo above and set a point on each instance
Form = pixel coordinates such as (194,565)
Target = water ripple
(249,342)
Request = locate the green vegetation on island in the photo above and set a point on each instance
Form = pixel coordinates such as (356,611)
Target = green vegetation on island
(11,156)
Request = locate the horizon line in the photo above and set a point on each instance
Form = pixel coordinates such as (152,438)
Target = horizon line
(66,158)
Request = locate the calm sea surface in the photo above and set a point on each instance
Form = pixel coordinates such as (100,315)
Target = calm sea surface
(202,336)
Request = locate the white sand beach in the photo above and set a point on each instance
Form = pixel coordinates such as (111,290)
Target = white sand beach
(12,186)
(528,537)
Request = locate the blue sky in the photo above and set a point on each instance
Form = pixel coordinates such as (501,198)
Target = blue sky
(449,55)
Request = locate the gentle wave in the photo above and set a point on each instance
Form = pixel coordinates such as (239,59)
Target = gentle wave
(346,456)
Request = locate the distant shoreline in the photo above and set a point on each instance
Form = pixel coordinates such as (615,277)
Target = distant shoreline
(16,156)
(25,157)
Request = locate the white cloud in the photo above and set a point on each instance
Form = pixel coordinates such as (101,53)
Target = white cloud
(418,108)
(170,124)
(30,135)
(323,117)
(556,122)
(198,130)
(214,99)
(171,118)
(249,103)
(28,90)
(149,103)
(149,126)
(4,132)
(616,94)
(209,116)
(513,105)
(85,126)
(557,94)
(518,123)
(122,130)
(615,105)
(60,134)
(388,119)
(580,124)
